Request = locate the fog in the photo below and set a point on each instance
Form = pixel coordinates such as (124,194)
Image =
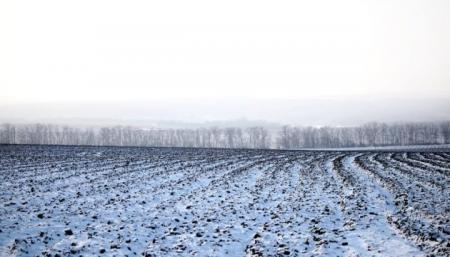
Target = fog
(241,113)
(178,63)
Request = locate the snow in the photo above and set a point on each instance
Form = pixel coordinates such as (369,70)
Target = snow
(402,148)
(113,201)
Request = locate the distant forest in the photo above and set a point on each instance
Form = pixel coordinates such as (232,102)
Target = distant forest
(286,137)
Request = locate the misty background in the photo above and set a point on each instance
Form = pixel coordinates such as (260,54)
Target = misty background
(240,64)
(230,113)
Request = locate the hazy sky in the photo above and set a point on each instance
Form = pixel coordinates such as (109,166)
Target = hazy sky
(104,51)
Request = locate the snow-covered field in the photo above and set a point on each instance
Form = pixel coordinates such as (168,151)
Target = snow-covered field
(106,201)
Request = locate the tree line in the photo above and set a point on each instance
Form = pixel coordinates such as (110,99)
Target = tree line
(286,137)
(370,134)
(49,134)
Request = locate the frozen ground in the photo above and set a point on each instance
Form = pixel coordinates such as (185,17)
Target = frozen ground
(403,148)
(100,201)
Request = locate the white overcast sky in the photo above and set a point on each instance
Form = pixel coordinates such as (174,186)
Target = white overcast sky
(104,51)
